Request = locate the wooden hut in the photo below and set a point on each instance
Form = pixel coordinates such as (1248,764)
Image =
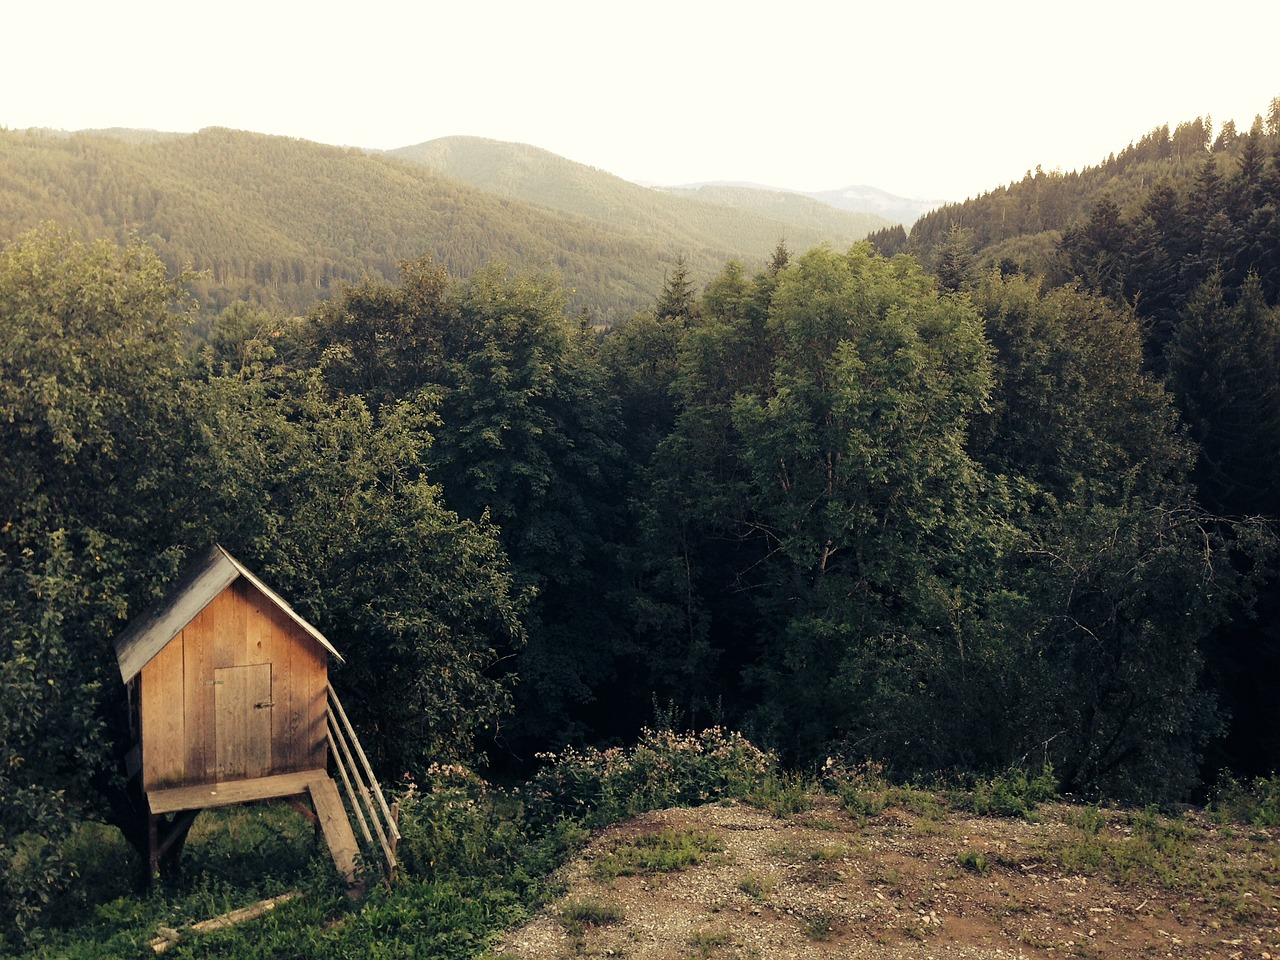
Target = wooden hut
(230,703)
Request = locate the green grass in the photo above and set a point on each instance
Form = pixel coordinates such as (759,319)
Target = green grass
(477,861)
(867,791)
(706,942)
(576,915)
(819,924)
(783,795)
(237,856)
(975,863)
(663,852)
(756,886)
(1233,875)
(1256,803)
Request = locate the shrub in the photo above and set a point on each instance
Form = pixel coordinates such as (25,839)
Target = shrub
(1256,803)
(664,769)
(1015,793)
(460,827)
(866,790)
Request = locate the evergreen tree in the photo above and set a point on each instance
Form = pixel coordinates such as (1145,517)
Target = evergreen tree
(1095,253)
(953,260)
(1224,366)
(678,300)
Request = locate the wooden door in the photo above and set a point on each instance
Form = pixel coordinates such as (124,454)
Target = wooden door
(242,721)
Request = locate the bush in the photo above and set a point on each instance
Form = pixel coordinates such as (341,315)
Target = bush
(665,769)
(1015,793)
(1256,803)
(461,828)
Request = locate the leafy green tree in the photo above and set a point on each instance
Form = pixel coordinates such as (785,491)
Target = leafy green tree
(832,426)
(524,437)
(1072,411)
(1118,577)
(336,506)
(93,423)
(689,485)
(1116,608)
(529,439)
(123,460)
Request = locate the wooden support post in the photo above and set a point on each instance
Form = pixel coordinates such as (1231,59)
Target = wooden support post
(153,847)
(175,838)
(302,808)
(337,832)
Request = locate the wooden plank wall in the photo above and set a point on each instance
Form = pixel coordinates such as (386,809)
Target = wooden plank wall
(164,731)
(240,627)
(300,679)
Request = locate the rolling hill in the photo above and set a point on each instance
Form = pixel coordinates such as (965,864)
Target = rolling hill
(713,219)
(860,200)
(281,221)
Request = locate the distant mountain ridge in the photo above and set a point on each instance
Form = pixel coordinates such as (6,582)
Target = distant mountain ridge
(716,220)
(857,199)
(280,221)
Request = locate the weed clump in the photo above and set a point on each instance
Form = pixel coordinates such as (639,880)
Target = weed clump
(665,769)
(664,852)
(1256,803)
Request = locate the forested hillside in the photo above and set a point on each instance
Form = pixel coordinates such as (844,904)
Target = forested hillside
(281,222)
(721,221)
(1182,230)
(971,515)
(1018,226)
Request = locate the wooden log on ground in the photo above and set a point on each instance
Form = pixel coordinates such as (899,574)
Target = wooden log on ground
(167,937)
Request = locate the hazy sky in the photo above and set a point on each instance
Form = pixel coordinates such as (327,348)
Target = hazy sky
(933,100)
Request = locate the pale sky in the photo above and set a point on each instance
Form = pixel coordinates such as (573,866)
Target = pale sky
(931,100)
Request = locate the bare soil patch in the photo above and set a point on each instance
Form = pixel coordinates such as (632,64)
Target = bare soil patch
(937,884)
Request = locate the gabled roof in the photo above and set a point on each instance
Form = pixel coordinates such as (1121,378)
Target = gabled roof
(147,634)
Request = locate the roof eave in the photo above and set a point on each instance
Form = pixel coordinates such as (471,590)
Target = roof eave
(151,631)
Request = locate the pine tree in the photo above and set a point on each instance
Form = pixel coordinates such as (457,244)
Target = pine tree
(1224,366)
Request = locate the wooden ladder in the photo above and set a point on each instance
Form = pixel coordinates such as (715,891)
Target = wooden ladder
(369,808)
(336,828)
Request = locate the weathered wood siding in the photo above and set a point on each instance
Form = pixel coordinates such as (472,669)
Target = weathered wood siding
(179,701)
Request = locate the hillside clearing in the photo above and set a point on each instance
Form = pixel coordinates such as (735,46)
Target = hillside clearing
(918,883)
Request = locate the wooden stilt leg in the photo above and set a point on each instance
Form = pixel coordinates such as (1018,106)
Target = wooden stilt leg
(303,809)
(153,847)
(174,839)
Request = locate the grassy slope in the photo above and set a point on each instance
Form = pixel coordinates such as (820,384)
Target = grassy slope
(861,866)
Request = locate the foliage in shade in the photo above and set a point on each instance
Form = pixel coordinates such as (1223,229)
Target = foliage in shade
(127,458)
(526,438)
(901,518)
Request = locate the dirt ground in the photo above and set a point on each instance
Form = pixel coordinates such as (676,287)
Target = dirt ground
(823,883)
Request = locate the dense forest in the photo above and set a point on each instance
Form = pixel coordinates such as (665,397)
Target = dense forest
(281,222)
(954,509)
